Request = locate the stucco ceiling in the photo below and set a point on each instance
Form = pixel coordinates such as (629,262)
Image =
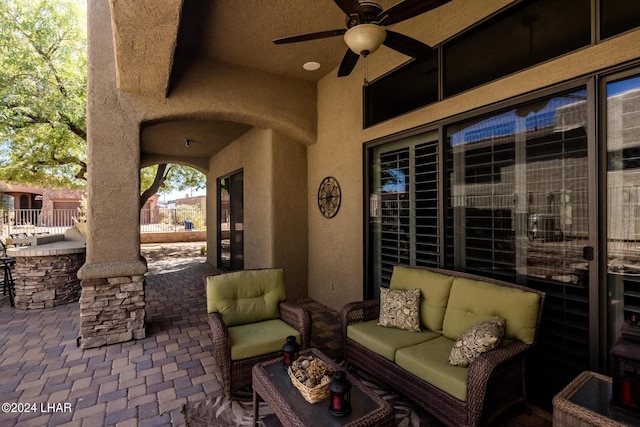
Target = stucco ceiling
(206,137)
(238,32)
(241,32)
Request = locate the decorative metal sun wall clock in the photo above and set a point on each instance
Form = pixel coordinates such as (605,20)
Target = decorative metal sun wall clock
(329,197)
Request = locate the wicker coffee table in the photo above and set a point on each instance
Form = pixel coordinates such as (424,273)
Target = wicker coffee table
(272,384)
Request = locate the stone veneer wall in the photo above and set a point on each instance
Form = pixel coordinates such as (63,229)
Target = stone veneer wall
(47,281)
(111,310)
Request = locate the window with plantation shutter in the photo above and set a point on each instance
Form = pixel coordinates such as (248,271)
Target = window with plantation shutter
(403,212)
(427,226)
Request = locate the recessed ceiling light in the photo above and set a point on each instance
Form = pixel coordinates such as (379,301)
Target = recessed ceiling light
(311,66)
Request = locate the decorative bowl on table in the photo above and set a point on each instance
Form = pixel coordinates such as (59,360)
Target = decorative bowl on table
(311,376)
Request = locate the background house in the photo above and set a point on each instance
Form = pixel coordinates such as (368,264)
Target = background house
(38,209)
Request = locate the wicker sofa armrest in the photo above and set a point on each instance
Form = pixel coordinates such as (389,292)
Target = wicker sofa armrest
(507,363)
(358,312)
(298,318)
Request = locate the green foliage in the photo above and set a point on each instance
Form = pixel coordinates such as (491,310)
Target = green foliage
(192,213)
(181,213)
(82,209)
(43,92)
(43,80)
(147,176)
(4,201)
(177,178)
(183,178)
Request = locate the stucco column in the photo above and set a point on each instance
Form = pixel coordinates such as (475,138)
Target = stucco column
(112,306)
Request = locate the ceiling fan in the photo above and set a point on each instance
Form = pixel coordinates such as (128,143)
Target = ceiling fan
(365,33)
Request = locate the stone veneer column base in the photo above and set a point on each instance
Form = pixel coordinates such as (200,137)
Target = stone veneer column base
(111,310)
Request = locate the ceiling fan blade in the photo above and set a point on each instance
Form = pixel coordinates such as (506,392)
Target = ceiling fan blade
(407,45)
(310,36)
(349,7)
(407,9)
(348,63)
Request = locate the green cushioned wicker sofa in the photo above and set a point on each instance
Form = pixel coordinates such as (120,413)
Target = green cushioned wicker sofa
(417,363)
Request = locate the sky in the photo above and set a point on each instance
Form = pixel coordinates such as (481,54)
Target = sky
(625,85)
(181,194)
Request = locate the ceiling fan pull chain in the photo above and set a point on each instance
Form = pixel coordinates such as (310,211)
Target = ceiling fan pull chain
(366,70)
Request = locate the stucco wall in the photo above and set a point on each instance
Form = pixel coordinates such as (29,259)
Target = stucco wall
(207,91)
(336,245)
(113,240)
(274,182)
(251,153)
(289,204)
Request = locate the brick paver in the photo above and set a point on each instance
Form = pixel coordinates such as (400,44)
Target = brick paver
(128,384)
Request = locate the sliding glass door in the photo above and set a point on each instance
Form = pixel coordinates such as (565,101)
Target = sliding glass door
(623,202)
(231,222)
(518,199)
(506,195)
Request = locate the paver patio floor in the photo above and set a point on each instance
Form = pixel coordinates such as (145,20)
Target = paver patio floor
(142,382)
(137,383)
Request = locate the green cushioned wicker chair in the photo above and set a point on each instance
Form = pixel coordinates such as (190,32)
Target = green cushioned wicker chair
(250,321)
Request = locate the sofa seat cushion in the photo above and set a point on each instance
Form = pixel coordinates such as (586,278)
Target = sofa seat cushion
(474,301)
(259,338)
(385,341)
(246,296)
(429,361)
(434,288)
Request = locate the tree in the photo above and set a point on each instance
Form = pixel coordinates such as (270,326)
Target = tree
(167,178)
(43,96)
(42,92)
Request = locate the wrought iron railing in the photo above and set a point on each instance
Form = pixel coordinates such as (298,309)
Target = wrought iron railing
(172,219)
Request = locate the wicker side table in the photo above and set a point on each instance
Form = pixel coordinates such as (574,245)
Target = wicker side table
(586,402)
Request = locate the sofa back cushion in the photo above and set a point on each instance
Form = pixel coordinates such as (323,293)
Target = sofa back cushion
(434,289)
(473,301)
(247,296)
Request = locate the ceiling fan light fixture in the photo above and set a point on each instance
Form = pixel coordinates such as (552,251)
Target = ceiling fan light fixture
(365,39)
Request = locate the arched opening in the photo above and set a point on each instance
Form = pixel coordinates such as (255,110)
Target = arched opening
(188,144)
(173,220)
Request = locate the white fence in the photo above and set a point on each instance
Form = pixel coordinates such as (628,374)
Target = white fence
(57,221)
(36,221)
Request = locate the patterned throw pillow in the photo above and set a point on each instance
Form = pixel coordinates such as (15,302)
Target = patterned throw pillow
(476,340)
(400,309)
